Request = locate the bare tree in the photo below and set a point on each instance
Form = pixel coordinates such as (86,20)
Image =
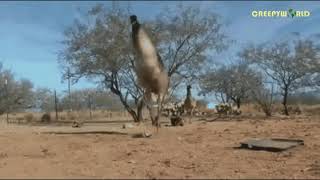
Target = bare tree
(263,97)
(44,99)
(6,78)
(14,94)
(21,95)
(185,35)
(290,64)
(100,48)
(232,83)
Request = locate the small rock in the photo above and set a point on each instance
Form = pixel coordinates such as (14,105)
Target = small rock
(167,162)
(131,161)
(128,125)
(180,138)
(146,134)
(44,151)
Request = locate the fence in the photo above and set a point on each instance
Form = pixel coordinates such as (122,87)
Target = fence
(98,116)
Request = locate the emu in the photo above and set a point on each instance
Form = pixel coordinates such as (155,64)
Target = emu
(150,71)
(189,103)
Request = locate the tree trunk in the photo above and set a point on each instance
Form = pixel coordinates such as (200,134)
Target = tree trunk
(139,110)
(284,102)
(268,113)
(133,114)
(238,103)
(125,104)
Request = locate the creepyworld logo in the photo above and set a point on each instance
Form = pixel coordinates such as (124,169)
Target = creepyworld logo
(291,13)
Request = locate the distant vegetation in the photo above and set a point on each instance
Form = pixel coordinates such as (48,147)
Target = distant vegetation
(306,98)
(15,95)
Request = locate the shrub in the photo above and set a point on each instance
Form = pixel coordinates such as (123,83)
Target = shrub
(29,117)
(46,117)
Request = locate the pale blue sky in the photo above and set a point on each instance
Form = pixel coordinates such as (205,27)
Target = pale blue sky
(30,32)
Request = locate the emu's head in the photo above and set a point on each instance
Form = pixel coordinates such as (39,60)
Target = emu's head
(188,87)
(133,19)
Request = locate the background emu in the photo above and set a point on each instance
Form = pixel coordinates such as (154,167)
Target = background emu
(189,103)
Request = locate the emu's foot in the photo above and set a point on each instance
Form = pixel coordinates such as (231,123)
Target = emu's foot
(142,135)
(147,134)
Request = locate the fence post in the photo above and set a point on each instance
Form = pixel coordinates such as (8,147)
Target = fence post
(90,106)
(7,99)
(69,91)
(56,104)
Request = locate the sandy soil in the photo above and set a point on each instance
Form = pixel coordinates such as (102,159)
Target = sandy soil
(197,150)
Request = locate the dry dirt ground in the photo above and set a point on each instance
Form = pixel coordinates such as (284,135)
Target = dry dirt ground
(197,150)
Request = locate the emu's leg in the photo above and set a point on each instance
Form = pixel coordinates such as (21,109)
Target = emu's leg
(159,103)
(147,98)
(191,115)
(140,108)
(142,124)
(156,108)
(161,98)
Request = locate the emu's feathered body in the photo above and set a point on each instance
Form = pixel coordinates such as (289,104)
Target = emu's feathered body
(149,66)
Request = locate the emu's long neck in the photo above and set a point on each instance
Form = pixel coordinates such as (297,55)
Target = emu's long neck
(135,31)
(144,47)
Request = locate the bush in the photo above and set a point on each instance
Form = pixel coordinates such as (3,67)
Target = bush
(29,117)
(223,108)
(46,117)
(176,121)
